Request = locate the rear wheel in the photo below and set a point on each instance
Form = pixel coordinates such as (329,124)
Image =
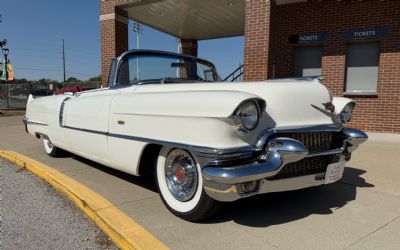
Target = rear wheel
(180,185)
(50,149)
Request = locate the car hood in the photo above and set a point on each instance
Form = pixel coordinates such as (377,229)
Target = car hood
(289,103)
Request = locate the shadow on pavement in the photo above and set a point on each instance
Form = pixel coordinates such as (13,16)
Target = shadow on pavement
(279,208)
(269,209)
(145,181)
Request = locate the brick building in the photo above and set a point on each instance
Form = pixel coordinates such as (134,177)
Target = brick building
(354,44)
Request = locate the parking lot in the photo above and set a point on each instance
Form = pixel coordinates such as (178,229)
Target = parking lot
(362,211)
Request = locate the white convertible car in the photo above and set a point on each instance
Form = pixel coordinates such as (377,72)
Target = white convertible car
(206,141)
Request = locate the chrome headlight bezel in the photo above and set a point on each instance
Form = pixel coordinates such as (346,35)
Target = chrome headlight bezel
(346,113)
(247,116)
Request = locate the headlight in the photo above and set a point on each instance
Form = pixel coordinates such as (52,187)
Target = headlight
(347,112)
(247,116)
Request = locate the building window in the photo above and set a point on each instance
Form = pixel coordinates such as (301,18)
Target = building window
(362,67)
(307,61)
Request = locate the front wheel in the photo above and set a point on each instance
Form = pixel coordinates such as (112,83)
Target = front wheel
(180,185)
(50,149)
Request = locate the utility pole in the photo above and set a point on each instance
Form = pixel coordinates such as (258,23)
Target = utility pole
(63,58)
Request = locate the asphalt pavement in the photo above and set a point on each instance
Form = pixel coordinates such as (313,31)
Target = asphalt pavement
(35,216)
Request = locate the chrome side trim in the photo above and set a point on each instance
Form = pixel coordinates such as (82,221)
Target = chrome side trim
(27,122)
(209,154)
(86,130)
(201,150)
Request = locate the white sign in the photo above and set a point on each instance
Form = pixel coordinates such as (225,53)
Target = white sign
(334,172)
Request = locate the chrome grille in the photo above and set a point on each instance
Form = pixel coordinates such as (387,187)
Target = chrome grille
(314,141)
(306,166)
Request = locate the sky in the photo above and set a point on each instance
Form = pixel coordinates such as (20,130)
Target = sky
(35,30)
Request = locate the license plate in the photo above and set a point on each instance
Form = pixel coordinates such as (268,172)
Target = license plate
(334,172)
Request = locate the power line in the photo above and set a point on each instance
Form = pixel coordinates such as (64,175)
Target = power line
(46,45)
(55,70)
(75,59)
(53,52)
(82,51)
(37,69)
(34,43)
(35,56)
(80,73)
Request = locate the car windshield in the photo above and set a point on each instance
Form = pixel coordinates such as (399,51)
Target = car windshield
(164,68)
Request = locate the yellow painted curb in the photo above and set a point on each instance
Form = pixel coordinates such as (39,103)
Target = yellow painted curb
(125,232)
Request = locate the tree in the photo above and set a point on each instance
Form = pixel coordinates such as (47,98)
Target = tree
(72,79)
(22,80)
(44,81)
(4,41)
(95,79)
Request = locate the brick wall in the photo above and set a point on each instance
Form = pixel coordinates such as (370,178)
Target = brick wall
(114,33)
(379,113)
(257,39)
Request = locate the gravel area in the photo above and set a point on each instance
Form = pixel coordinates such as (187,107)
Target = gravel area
(35,216)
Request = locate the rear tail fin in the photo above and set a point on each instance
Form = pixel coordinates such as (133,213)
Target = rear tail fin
(30,98)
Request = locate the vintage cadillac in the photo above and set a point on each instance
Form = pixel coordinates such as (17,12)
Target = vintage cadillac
(205,141)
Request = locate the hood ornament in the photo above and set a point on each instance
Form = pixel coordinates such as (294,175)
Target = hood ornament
(329,106)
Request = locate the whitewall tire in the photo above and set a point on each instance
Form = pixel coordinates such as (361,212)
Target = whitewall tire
(180,185)
(50,149)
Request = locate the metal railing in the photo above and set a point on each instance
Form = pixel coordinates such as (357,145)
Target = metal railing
(236,75)
(15,96)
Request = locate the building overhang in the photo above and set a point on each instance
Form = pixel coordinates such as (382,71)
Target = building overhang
(190,19)
(193,19)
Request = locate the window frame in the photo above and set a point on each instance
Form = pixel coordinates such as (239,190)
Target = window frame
(315,44)
(361,92)
(127,54)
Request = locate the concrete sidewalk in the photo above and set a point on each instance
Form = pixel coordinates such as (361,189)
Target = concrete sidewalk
(360,212)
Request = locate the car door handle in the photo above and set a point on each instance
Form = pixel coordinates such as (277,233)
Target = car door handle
(121,122)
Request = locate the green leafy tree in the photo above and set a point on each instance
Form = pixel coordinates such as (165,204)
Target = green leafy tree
(95,79)
(72,79)
(45,81)
(21,80)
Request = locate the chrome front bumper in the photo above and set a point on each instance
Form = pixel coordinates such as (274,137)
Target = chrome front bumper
(226,183)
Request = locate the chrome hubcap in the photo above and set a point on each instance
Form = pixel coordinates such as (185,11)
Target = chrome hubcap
(48,144)
(181,174)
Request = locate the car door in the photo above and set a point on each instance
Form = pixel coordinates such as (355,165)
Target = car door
(84,118)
